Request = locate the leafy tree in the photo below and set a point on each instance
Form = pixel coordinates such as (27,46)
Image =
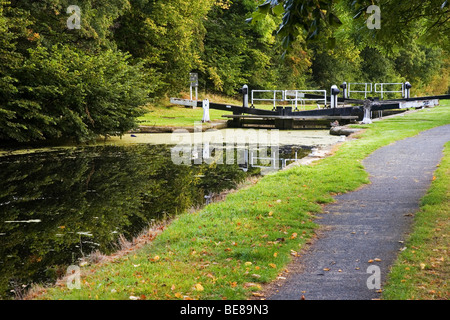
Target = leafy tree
(306,18)
(237,52)
(62,90)
(403,21)
(168,36)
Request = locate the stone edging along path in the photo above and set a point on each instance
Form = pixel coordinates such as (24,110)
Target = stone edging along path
(363,231)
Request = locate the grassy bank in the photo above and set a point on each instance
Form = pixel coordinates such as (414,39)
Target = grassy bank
(229,249)
(422,269)
(165,114)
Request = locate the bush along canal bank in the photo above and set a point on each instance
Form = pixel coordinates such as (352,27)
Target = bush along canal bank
(230,249)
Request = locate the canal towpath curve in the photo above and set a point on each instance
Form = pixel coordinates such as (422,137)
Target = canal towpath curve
(363,231)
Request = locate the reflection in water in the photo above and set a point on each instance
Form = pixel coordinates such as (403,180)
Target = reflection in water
(56,207)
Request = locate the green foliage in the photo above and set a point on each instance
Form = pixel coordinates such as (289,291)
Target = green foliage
(167,35)
(61,91)
(403,21)
(309,18)
(411,44)
(61,83)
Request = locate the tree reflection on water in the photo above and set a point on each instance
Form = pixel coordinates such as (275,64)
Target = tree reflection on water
(57,206)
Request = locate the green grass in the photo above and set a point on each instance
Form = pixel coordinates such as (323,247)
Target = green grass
(176,116)
(168,115)
(422,269)
(229,249)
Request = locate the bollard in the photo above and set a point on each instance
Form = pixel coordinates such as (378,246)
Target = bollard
(407,90)
(244,91)
(344,88)
(334,96)
(205,106)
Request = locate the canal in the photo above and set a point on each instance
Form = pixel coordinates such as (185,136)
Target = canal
(59,205)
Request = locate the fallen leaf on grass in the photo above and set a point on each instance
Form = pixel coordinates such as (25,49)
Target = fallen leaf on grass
(199,287)
(272,265)
(178,295)
(293,236)
(155,258)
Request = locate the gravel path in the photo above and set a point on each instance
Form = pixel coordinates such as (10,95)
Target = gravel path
(369,224)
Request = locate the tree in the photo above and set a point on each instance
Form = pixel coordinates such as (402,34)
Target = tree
(399,19)
(53,90)
(299,17)
(168,36)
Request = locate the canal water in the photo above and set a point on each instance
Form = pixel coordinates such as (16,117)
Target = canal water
(59,205)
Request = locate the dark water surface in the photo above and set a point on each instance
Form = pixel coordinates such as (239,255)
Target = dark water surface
(58,206)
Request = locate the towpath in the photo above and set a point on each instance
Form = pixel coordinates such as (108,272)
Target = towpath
(366,228)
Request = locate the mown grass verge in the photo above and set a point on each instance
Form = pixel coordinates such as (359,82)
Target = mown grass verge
(165,114)
(422,269)
(228,249)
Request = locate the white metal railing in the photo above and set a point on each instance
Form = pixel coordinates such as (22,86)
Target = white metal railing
(296,97)
(367,88)
(379,88)
(299,96)
(274,99)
